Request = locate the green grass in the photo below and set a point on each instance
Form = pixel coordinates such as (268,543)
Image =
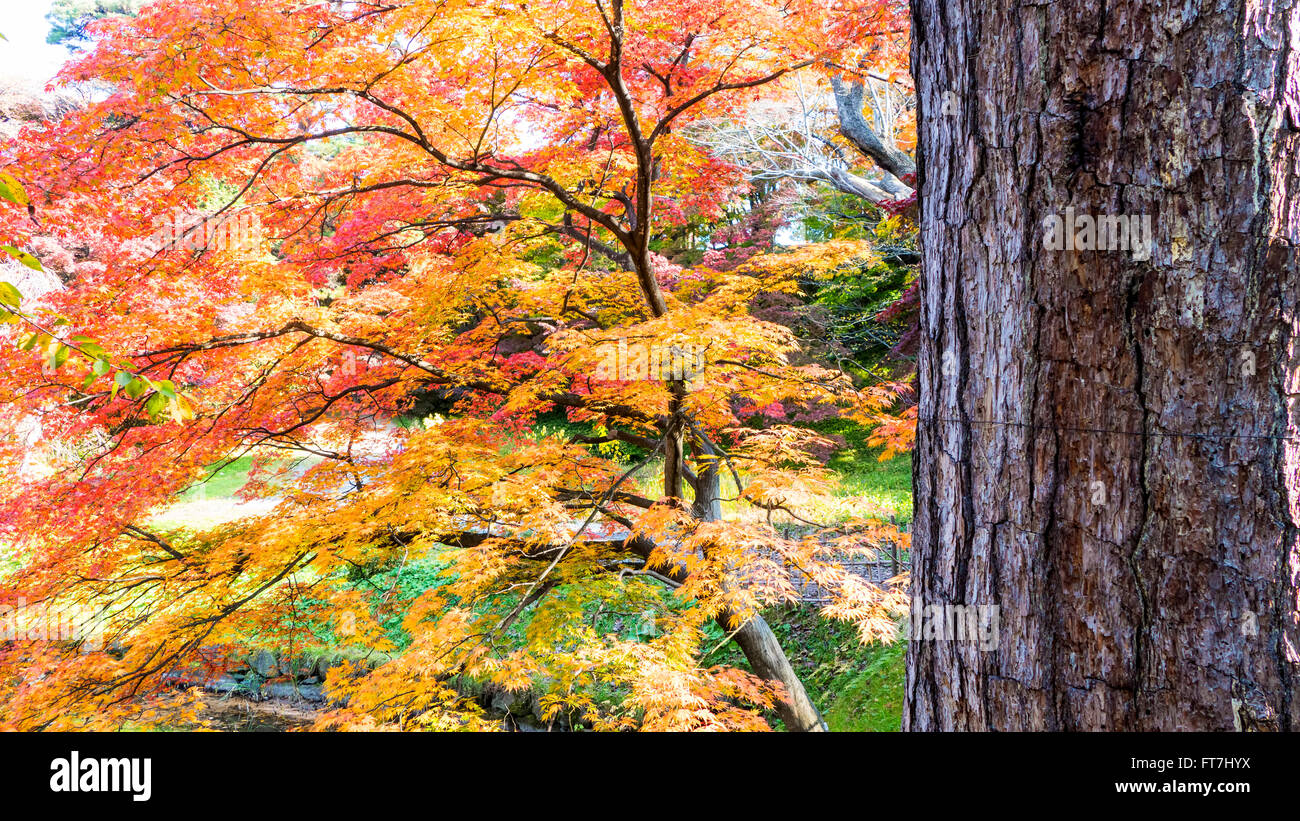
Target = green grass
(885,486)
(222,484)
(869,697)
(880,489)
(211,502)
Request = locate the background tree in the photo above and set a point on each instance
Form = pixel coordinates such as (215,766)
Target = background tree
(1106,439)
(792,136)
(69,19)
(833,151)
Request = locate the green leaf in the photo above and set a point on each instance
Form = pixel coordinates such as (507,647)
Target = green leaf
(166,388)
(120,380)
(23,257)
(58,355)
(37,338)
(9,296)
(100,367)
(155,405)
(89,346)
(12,190)
(136,388)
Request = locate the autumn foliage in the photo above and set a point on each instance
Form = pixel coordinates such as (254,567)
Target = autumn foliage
(455,202)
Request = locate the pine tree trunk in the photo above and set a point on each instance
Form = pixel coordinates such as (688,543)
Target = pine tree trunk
(1103,449)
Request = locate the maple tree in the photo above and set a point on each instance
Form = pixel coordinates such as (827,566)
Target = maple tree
(456,199)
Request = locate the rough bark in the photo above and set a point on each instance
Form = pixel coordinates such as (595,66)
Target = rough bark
(1107,447)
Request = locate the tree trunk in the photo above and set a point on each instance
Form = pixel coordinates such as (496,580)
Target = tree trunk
(1106,448)
(755,638)
(769,662)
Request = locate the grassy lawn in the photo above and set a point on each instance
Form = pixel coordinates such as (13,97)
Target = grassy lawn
(212,502)
(884,486)
(871,487)
(868,697)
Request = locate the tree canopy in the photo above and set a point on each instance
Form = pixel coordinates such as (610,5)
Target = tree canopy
(290,230)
